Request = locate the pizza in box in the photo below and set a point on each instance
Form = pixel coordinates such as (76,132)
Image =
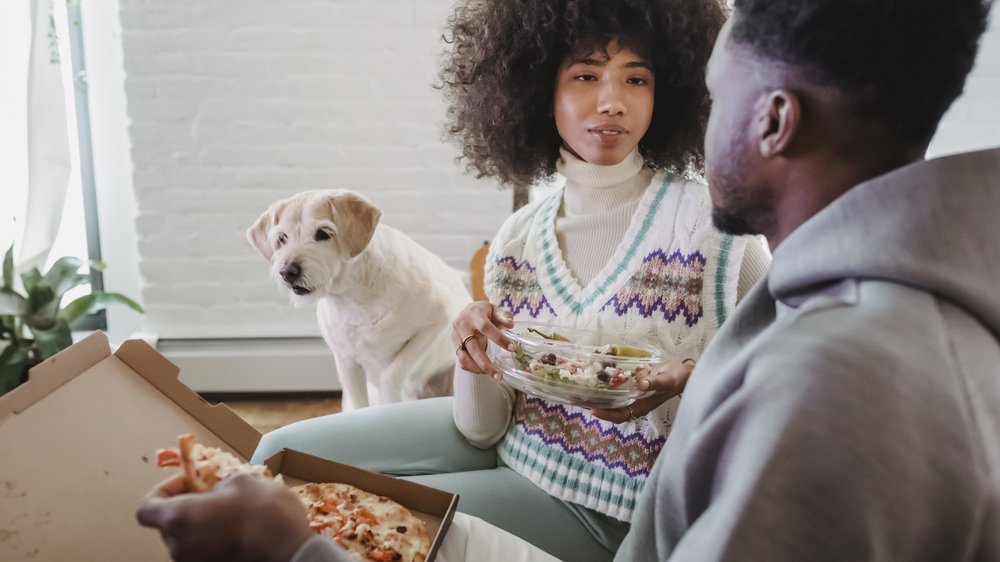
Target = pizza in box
(369,526)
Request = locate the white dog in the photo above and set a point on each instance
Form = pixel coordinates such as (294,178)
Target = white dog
(385,303)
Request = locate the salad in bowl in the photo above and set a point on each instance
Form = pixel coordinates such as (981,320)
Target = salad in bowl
(577,367)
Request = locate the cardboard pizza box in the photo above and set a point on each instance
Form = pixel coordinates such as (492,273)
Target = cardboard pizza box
(435,507)
(77,453)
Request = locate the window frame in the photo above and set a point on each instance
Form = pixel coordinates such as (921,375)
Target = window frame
(97,320)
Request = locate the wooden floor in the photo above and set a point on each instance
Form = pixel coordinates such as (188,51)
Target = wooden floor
(273,411)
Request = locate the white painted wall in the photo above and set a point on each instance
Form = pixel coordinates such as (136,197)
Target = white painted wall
(233,105)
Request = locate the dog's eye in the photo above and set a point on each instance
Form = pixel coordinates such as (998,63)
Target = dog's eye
(322,235)
(282,239)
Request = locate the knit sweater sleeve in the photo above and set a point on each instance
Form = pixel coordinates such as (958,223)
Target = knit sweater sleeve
(756,261)
(483,406)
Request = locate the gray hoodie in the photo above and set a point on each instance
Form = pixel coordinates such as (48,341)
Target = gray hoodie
(849,410)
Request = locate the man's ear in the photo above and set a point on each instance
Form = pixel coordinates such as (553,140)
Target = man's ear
(356,219)
(778,123)
(257,234)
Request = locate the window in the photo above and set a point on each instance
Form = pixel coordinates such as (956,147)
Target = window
(78,225)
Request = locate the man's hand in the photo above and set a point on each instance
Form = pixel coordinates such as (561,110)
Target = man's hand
(243,519)
(666,381)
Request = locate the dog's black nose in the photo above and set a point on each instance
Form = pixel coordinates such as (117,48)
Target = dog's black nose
(291,272)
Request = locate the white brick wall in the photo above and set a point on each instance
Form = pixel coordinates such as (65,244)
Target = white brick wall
(236,104)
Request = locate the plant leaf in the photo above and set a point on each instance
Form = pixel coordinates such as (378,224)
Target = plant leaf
(97,265)
(94,302)
(12,304)
(70,282)
(64,275)
(53,340)
(7,326)
(40,296)
(80,306)
(43,307)
(8,269)
(12,361)
(109,298)
(31,279)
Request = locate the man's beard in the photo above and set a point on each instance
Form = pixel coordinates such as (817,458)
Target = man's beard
(731,223)
(740,208)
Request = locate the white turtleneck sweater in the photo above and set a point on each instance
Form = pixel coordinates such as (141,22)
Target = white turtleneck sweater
(597,207)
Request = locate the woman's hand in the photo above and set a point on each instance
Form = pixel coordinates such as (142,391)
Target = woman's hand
(666,381)
(475,325)
(243,518)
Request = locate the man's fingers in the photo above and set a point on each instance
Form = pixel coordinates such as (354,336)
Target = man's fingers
(157,510)
(165,496)
(149,513)
(170,487)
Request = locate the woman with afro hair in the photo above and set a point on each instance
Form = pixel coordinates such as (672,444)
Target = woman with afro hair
(610,96)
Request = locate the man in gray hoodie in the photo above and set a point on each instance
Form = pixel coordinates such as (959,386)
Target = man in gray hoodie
(850,408)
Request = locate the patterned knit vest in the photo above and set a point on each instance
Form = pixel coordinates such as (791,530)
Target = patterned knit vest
(672,280)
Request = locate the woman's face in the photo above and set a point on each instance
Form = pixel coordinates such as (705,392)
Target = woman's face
(603,103)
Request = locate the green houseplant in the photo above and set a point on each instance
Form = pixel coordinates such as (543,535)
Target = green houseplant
(34,325)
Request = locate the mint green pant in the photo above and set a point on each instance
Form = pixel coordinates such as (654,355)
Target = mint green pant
(418,441)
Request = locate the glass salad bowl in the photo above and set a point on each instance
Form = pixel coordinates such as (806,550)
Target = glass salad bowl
(576,367)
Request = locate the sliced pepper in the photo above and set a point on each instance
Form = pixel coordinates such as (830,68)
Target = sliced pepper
(621,350)
(555,336)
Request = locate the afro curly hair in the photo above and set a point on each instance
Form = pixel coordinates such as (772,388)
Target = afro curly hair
(498,77)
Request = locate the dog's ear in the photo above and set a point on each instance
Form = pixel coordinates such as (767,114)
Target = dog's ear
(356,219)
(257,234)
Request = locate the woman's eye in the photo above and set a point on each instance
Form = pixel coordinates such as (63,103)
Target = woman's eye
(282,239)
(586,78)
(322,235)
(638,81)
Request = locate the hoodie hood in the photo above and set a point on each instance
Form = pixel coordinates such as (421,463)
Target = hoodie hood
(933,225)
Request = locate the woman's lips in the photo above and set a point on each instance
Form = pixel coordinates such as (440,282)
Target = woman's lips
(608,135)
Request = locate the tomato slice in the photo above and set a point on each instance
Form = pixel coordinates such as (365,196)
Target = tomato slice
(168,457)
(383,555)
(366,516)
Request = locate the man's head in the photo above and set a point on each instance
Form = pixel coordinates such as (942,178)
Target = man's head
(809,94)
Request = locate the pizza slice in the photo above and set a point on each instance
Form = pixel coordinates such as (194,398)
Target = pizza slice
(205,466)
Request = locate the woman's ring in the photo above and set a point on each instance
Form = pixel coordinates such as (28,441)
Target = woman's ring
(464,342)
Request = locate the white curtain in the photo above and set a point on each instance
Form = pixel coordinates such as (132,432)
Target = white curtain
(48,141)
